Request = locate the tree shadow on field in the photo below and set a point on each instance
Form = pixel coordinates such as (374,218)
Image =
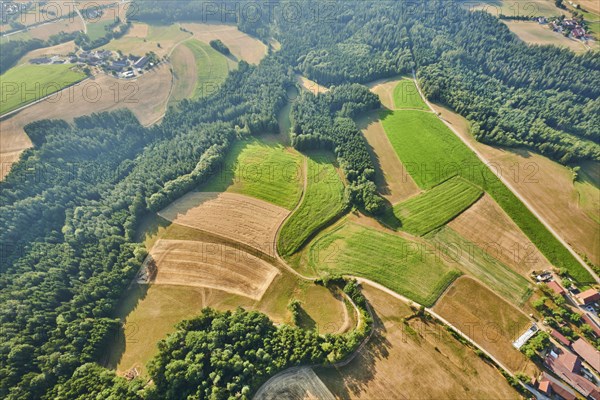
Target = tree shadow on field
(305,321)
(349,381)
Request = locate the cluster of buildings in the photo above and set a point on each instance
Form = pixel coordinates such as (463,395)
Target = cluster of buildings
(571,27)
(124,67)
(573,368)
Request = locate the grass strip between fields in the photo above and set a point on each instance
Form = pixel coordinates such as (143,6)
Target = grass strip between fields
(432,153)
(323,201)
(437,206)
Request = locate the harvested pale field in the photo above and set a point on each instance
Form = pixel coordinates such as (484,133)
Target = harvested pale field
(242,46)
(210,265)
(392,179)
(135,42)
(294,384)
(59,50)
(185,74)
(487,319)
(418,360)
(384,88)
(138,30)
(64,25)
(516,7)
(146,97)
(150,313)
(572,209)
(589,5)
(241,218)
(533,33)
(486,225)
(310,86)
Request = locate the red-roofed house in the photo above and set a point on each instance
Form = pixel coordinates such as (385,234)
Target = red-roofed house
(556,288)
(589,296)
(588,353)
(559,336)
(550,386)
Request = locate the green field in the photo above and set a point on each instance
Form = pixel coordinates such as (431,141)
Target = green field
(432,153)
(475,261)
(266,171)
(407,267)
(322,202)
(436,207)
(406,95)
(97,29)
(212,68)
(27,83)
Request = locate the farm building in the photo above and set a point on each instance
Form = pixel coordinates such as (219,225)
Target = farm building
(550,387)
(588,353)
(41,60)
(560,338)
(589,296)
(556,288)
(567,366)
(141,63)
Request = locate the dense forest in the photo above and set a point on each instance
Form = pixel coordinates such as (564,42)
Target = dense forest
(70,207)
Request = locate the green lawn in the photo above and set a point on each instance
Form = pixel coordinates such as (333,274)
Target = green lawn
(212,68)
(434,208)
(323,201)
(269,172)
(473,260)
(432,153)
(406,267)
(97,29)
(406,95)
(24,84)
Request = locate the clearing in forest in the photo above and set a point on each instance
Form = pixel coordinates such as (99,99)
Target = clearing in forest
(323,200)
(209,265)
(212,68)
(490,321)
(241,218)
(242,46)
(266,171)
(432,153)
(409,268)
(434,208)
(413,357)
(533,33)
(27,83)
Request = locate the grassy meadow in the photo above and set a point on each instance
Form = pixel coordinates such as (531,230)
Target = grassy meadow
(211,66)
(266,171)
(437,206)
(323,201)
(432,153)
(33,82)
(406,95)
(404,266)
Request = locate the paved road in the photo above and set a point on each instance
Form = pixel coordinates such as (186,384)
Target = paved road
(529,206)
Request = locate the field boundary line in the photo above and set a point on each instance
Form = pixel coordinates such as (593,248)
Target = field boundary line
(527,204)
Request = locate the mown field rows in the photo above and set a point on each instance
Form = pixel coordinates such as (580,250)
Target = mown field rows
(434,208)
(432,154)
(322,201)
(211,67)
(266,171)
(406,95)
(407,267)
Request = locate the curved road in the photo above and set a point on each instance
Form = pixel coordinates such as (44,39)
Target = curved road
(529,206)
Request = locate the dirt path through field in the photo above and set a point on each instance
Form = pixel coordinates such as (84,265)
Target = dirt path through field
(510,186)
